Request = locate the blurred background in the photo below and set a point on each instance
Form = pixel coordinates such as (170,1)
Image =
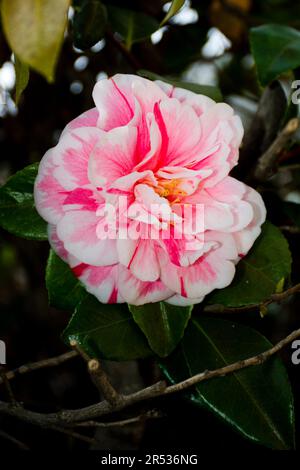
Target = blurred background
(205,43)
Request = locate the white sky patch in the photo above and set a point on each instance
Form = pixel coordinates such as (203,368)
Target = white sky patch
(70,13)
(98,46)
(201,73)
(7,76)
(186,14)
(76,87)
(156,37)
(101,76)
(216,44)
(81,63)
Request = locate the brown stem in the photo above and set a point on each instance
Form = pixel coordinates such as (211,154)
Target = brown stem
(269,159)
(32,366)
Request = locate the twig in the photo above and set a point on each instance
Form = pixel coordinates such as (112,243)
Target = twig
(12,439)
(290,229)
(269,159)
(68,417)
(7,385)
(98,376)
(152,414)
(251,361)
(75,346)
(52,362)
(102,382)
(273,298)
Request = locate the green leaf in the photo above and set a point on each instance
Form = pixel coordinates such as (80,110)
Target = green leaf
(162,324)
(131,25)
(258,274)
(89,23)
(276,49)
(65,291)
(22,78)
(34,30)
(256,401)
(106,331)
(207,90)
(174,8)
(17,211)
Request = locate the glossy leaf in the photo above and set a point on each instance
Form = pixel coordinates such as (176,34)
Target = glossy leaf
(131,25)
(89,23)
(65,291)
(162,324)
(207,90)
(35,31)
(17,211)
(256,401)
(106,331)
(276,49)
(174,8)
(22,78)
(258,274)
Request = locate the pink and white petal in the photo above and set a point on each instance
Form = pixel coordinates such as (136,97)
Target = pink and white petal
(149,144)
(137,292)
(246,237)
(56,244)
(82,199)
(113,157)
(181,132)
(114,100)
(126,183)
(49,195)
(87,119)
(71,156)
(101,281)
(133,253)
(78,232)
(181,301)
(147,93)
(228,190)
(214,270)
(200,103)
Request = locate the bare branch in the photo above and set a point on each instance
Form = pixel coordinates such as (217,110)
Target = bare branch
(273,298)
(151,414)
(69,417)
(269,159)
(102,382)
(290,229)
(45,363)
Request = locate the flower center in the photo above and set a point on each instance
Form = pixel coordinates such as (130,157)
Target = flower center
(170,189)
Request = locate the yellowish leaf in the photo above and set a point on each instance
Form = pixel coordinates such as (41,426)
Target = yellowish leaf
(34,30)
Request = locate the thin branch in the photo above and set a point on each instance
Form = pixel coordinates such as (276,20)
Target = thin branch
(7,385)
(290,229)
(273,298)
(68,417)
(269,159)
(98,375)
(102,382)
(152,414)
(12,439)
(45,363)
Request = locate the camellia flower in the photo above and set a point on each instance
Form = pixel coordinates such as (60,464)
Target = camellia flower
(138,198)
